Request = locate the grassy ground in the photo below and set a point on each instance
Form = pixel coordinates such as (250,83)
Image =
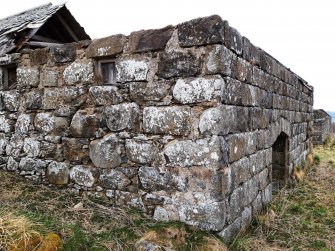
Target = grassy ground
(301,217)
(84,224)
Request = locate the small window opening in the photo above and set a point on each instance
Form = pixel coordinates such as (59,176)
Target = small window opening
(9,76)
(107,71)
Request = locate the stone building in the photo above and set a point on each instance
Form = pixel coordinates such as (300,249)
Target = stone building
(321,126)
(189,122)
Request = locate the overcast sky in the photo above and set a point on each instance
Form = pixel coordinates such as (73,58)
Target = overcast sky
(300,34)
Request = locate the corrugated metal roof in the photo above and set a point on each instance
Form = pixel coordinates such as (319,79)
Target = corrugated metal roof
(17,29)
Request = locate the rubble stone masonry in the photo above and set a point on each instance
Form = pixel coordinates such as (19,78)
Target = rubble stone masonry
(183,132)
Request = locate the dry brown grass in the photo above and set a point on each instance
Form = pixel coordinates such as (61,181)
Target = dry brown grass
(17,233)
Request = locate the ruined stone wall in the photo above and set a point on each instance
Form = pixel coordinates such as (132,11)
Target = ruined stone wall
(185,133)
(321,126)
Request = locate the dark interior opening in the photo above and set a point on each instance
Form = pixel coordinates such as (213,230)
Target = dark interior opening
(280,162)
(9,76)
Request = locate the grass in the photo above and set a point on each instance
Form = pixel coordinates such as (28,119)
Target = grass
(90,224)
(301,217)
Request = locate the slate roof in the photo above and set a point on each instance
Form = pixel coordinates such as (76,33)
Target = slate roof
(16,30)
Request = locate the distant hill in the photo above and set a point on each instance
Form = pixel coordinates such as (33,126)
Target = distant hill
(333,115)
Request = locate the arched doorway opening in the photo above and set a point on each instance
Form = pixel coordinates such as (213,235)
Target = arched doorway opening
(279,162)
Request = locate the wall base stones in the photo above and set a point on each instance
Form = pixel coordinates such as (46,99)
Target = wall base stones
(185,131)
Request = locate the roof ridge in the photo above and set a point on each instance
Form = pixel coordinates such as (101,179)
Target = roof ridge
(27,10)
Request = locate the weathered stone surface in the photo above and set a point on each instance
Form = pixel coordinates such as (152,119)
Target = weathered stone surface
(105,95)
(258,118)
(27,164)
(232,94)
(132,68)
(235,204)
(112,179)
(86,122)
(195,90)
(12,164)
(161,214)
(15,145)
(82,175)
(122,116)
(33,99)
(151,179)
(139,151)
(6,125)
(233,39)
(257,161)
(208,216)
(250,52)
(170,120)
(242,124)
(39,56)
(241,171)
(79,72)
(49,78)
(219,60)
(58,173)
(218,120)
(51,98)
(149,40)
(146,245)
(11,100)
(231,231)
(76,150)
(50,150)
(251,95)
(242,70)
(3,143)
(64,53)
(31,147)
(151,91)
(23,124)
(27,76)
(107,46)
(201,31)
(241,144)
(202,152)
(267,194)
(47,123)
(69,98)
(105,152)
(178,64)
